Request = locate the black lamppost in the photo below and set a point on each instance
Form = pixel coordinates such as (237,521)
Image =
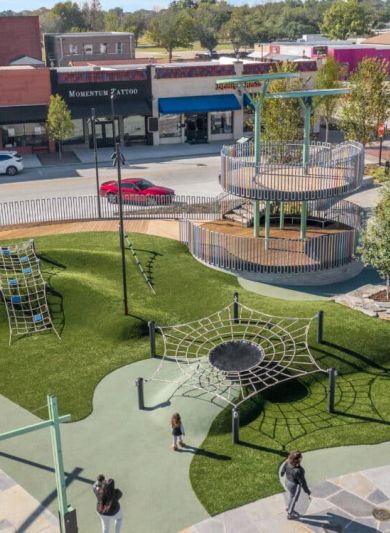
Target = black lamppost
(118,159)
(93,123)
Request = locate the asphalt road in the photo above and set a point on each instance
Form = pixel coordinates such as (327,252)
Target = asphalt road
(192,176)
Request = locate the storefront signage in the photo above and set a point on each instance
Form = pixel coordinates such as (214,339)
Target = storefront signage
(83,93)
(112,91)
(320,51)
(246,85)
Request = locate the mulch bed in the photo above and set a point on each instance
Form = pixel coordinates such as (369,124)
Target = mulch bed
(380,296)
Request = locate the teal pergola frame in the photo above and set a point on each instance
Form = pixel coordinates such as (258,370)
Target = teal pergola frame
(64,510)
(305,98)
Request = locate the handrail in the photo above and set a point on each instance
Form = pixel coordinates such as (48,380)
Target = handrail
(332,170)
(279,255)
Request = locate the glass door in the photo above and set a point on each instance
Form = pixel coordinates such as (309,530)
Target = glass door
(196,127)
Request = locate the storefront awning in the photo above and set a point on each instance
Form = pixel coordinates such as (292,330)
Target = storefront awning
(103,109)
(23,113)
(198,104)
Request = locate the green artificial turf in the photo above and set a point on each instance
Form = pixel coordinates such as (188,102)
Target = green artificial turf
(83,271)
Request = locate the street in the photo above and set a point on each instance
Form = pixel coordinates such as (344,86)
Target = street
(192,176)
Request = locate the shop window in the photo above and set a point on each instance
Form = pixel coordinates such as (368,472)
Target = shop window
(170,126)
(78,133)
(29,134)
(221,122)
(103,48)
(119,48)
(73,49)
(134,128)
(88,49)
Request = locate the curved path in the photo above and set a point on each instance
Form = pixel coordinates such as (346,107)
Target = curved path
(117,439)
(134,447)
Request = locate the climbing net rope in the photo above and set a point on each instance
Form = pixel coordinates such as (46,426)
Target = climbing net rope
(23,290)
(237,352)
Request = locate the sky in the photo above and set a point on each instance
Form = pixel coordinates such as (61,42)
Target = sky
(127,5)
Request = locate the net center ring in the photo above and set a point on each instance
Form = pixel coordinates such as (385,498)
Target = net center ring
(236,356)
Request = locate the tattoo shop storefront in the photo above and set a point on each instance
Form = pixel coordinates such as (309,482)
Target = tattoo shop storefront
(84,89)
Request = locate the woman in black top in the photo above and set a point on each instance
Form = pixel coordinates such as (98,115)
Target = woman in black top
(295,480)
(108,506)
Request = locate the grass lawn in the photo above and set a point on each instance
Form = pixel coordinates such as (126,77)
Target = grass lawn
(84,272)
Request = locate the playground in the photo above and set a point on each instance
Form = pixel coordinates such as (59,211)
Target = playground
(252,376)
(92,370)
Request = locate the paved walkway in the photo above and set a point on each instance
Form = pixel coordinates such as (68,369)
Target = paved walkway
(134,447)
(120,441)
(34,519)
(346,503)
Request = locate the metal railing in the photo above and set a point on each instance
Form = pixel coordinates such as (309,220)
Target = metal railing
(331,170)
(79,208)
(282,255)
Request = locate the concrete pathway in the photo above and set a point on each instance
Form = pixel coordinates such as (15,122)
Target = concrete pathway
(13,498)
(350,503)
(134,447)
(118,440)
(321,292)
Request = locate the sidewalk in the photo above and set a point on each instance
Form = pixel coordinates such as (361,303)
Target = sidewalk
(135,153)
(34,519)
(351,503)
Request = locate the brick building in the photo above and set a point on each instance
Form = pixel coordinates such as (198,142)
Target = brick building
(62,49)
(24,99)
(19,36)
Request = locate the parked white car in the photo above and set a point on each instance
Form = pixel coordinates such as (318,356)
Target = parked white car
(10,162)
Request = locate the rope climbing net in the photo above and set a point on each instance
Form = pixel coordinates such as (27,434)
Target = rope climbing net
(237,352)
(23,290)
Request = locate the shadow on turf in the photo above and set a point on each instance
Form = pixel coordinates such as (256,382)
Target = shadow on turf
(263,448)
(357,355)
(149,265)
(186,448)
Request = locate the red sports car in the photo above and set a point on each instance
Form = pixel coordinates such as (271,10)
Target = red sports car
(136,190)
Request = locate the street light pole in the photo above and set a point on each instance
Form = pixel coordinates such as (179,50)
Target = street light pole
(118,162)
(93,122)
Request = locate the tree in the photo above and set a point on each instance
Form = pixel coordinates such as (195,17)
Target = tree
(328,77)
(368,104)
(345,18)
(375,241)
(238,29)
(59,123)
(69,14)
(208,20)
(114,20)
(93,15)
(282,119)
(172,28)
(50,22)
(137,23)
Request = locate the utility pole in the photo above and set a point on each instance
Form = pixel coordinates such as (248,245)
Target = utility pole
(93,123)
(118,161)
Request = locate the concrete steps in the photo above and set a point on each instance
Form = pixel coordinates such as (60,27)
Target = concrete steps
(243,214)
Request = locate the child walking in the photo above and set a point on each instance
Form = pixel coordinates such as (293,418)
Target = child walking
(177,431)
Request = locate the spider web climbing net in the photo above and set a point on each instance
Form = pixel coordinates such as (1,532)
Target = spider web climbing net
(23,290)
(236,357)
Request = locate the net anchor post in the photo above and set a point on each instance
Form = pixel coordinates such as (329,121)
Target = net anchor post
(139,383)
(320,327)
(332,373)
(235,308)
(152,337)
(235,426)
